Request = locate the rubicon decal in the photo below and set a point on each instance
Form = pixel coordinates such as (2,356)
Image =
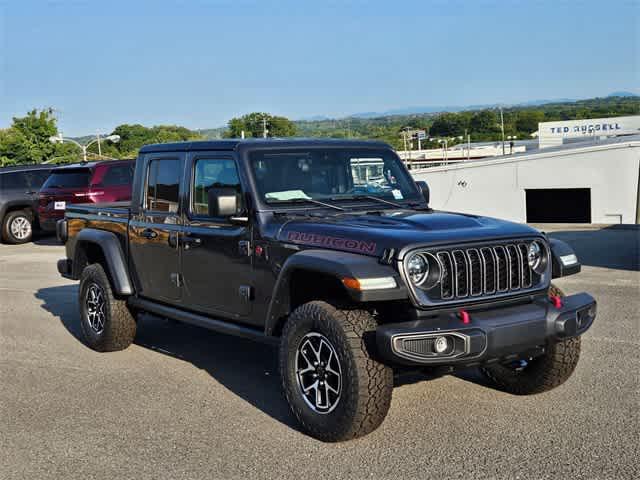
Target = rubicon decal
(335,242)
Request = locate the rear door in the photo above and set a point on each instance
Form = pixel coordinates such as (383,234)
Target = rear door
(217,268)
(154,230)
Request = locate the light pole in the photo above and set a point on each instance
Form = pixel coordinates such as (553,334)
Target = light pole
(502,128)
(445,148)
(61,139)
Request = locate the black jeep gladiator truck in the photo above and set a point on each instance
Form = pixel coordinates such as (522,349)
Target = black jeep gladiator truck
(330,249)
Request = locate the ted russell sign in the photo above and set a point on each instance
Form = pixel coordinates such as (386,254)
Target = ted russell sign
(552,133)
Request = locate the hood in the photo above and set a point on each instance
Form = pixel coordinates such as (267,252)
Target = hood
(371,234)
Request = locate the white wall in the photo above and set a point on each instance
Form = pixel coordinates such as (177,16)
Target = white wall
(497,187)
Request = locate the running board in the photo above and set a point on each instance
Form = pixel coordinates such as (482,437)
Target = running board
(198,320)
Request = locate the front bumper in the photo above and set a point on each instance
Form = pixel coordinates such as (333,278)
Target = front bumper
(489,336)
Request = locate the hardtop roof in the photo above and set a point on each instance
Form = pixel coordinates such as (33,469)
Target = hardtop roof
(233,144)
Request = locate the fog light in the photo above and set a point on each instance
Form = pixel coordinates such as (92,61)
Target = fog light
(441,344)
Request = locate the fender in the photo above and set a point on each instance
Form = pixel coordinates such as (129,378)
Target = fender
(113,254)
(339,265)
(17,205)
(562,264)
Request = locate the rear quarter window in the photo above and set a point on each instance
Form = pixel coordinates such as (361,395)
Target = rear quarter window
(117,175)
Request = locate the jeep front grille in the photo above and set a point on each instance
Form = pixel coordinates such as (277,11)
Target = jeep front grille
(482,271)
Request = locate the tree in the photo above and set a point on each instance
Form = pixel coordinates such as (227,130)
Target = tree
(254,124)
(133,137)
(27,140)
(449,125)
(527,120)
(484,121)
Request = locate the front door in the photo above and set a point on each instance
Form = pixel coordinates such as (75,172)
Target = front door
(216,265)
(154,231)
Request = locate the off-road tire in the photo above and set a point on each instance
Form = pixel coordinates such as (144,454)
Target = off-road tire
(119,324)
(367,384)
(12,217)
(542,373)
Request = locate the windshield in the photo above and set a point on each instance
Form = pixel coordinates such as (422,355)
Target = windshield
(69,178)
(332,174)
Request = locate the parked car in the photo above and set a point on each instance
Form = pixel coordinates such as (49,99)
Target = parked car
(273,240)
(91,182)
(19,186)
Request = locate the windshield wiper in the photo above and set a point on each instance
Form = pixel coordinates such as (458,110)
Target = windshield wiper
(307,200)
(366,197)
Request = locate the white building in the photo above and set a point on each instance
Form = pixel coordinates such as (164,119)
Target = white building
(586,182)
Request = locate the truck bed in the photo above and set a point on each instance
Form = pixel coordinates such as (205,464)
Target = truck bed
(110,209)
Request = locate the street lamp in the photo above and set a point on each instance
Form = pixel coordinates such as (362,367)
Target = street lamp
(61,139)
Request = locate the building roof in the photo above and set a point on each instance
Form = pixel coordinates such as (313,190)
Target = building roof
(233,144)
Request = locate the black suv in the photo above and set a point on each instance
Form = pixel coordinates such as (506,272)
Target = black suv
(19,188)
(330,249)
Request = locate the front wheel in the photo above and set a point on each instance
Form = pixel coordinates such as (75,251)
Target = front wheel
(539,374)
(17,227)
(336,390)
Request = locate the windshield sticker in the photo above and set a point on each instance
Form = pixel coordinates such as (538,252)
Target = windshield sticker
(397,194)
(335,242)
(287,195)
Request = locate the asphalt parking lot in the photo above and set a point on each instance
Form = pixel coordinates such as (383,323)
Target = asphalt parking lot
(188,403)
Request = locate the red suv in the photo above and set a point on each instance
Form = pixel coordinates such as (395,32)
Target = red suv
(92,182)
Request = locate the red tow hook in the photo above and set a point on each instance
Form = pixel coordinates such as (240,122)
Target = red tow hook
(464,316)
(556,300)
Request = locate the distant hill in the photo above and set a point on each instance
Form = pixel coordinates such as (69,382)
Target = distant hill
(623,94)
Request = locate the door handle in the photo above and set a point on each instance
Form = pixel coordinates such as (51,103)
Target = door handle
(191,242)
(148,233)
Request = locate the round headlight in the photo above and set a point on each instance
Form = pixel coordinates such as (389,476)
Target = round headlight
(534,256)
(417,268)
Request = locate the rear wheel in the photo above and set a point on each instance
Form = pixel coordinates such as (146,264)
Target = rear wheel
(539,374)
(17,227)
(336,390)
(107,324)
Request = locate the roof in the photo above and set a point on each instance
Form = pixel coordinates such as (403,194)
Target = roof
(234,143)
(25,168)
(90,164)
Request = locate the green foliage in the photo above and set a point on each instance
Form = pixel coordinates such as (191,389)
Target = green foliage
(133,137)
(27,139)
(253,125)
(482,125)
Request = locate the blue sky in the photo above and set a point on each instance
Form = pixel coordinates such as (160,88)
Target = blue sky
(198,63)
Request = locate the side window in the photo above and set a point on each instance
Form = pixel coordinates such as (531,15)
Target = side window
(163,186)
(118,175)
(14,180)
(38,177)
(210,173)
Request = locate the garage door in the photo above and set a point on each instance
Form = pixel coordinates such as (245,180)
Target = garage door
(559,205)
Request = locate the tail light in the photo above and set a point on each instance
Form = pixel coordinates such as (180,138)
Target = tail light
(88,194)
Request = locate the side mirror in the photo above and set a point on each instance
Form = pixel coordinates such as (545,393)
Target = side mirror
(223,201)
(424,188)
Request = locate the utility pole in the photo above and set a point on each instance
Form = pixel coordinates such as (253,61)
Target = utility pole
(99,147)
(264,127)
(466,134)
(502,129)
